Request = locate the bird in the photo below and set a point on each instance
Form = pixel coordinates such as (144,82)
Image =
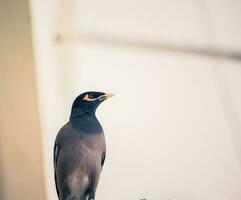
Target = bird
(80,149)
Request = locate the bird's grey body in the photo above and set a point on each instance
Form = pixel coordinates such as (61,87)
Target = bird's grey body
(79,158)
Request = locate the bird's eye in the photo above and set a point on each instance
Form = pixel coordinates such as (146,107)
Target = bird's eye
(90,96)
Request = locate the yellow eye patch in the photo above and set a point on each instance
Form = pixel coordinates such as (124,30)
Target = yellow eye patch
(89,98)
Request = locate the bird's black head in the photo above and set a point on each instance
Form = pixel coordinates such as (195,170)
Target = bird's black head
(87,103)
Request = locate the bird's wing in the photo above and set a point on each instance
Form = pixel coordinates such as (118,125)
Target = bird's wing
(56,153)
(103,159)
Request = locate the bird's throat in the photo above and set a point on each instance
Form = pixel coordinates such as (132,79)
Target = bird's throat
(86,123)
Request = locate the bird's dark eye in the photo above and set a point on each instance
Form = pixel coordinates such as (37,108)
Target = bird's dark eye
(90,96)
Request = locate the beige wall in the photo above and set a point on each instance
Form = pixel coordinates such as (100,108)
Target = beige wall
(173,129)
(20,139)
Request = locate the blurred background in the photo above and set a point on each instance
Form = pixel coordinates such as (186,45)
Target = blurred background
(173,129)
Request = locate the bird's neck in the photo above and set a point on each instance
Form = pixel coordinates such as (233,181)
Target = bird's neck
(86,123)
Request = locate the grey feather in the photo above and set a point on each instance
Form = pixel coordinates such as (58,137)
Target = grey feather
(78,160)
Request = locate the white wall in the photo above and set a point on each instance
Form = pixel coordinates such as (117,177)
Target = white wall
(173,128)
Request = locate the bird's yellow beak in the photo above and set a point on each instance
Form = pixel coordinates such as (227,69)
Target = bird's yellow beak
(106,96)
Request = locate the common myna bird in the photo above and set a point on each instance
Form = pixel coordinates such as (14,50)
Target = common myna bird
(80,149)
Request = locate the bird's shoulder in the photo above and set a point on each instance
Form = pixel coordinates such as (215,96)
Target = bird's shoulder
(65,131)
